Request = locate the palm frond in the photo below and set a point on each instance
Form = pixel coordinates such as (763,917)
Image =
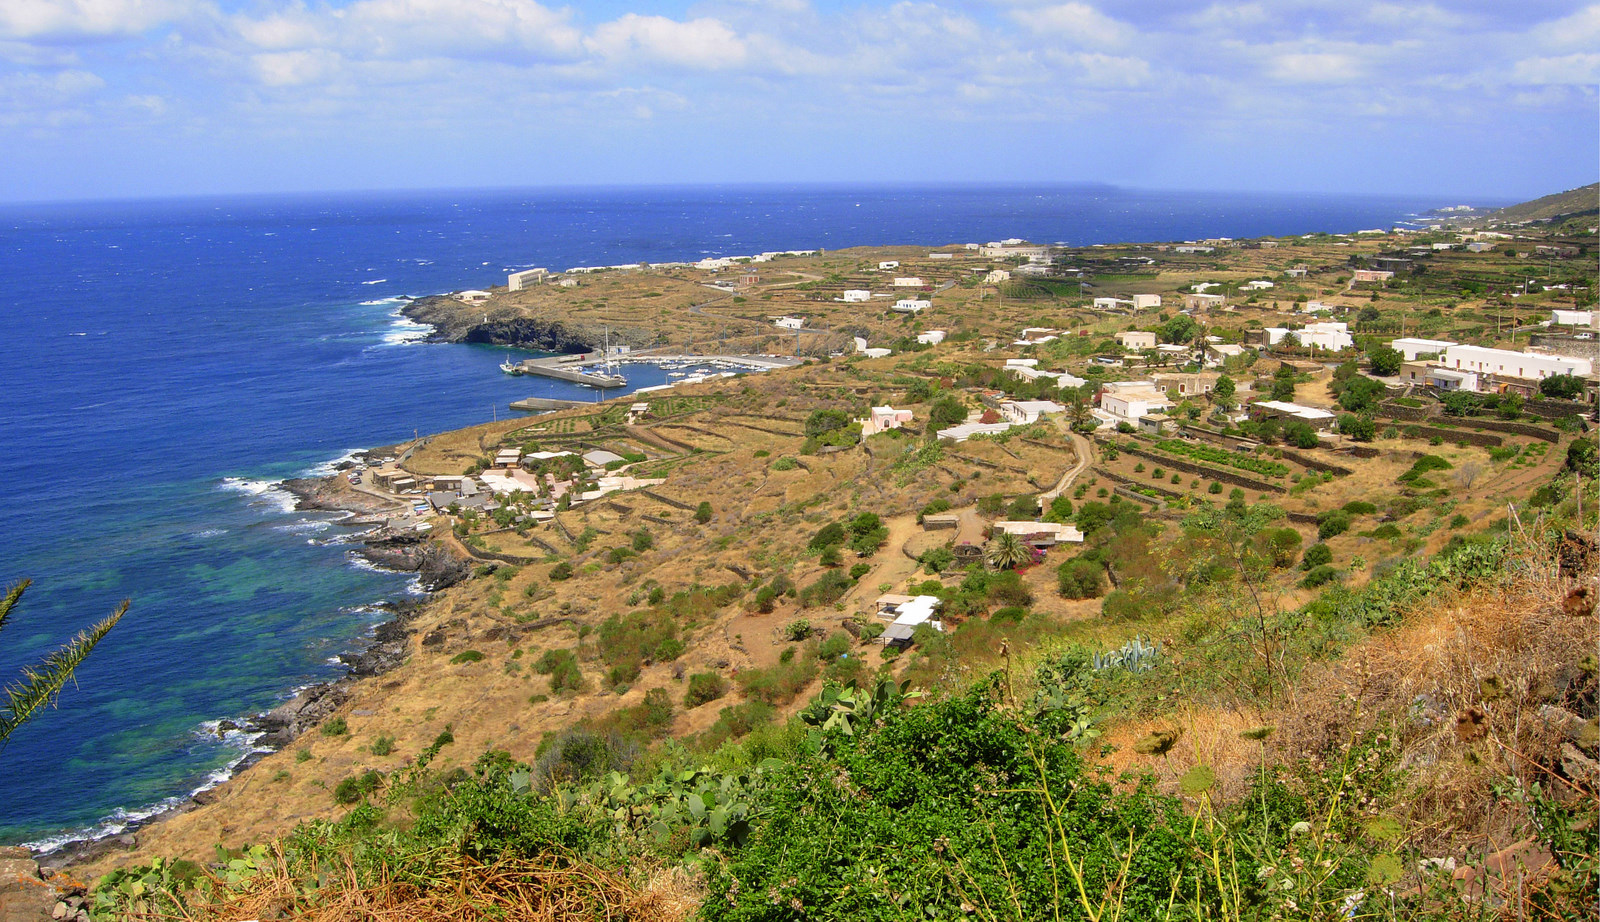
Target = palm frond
(10,600)
(41,684)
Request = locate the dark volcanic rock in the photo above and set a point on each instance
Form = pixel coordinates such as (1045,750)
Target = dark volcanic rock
(455,322)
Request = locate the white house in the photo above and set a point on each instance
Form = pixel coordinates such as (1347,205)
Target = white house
(1146,302)
(882,419)
(966,431)
(517,281)
(1515,364)
(1298,272)
(1316,416)
(1257,285)
(857,294)
(1218,353)
(1479,247)
(1201,302)
(912,305)
(1410,348)
(931,338)
(1317,307)
(1562,318)
(996,276)
(568,283)
(888,264)
(1025,412)
(790,323)
(1106,304)
(941,256)
(911,282)
(1136,340)
(1041,534)
(1127,401)
(472,296)
(1329,336)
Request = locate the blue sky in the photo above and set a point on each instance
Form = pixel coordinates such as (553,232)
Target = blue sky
(118,98)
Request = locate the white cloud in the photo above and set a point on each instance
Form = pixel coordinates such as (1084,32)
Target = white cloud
(698,44)
(1581,69)
(1579,30)
(295,68)
(1314,67)
(1075,21)
(57,19)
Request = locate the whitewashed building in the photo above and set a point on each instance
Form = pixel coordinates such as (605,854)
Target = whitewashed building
(517,281)
(1411,348)
(1136,340)
(908,282)
(1514,364)
(912,305)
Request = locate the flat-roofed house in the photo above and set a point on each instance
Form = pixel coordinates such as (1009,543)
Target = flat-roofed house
(882,419)
(853,295)
(1136,340)
(1411,348)
(1317,417)
(1486,361)
(527,278)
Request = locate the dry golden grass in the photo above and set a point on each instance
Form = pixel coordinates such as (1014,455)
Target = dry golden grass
(1489,658)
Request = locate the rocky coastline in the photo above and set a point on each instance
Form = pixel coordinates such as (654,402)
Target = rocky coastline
(456,322)
(386,649)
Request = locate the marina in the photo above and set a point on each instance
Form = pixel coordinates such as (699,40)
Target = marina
(598,370)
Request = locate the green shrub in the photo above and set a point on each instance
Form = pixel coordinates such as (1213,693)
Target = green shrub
(1319,576)
(356,787)
(797,630)
(702,513)
(335,726)
(1459,520)
(302,755)
(738,720)
(829,535)
(562,668)
(1331,524)
(1316,555)
(779,684)
(704,687)
(383,745)
(561,571)
(829,588)
(1360,507)
(1080,579)
(859,570)
(837,644)
(466,656)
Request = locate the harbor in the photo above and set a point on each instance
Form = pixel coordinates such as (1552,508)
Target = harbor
(602,371)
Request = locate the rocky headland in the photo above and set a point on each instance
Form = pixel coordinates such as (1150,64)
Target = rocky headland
(455,321)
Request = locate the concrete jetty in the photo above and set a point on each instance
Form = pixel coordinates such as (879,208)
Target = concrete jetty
(546,404)
(570,368)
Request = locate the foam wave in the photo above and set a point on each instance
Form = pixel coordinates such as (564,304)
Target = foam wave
(404,331)
(207,533)
(331,466)
(374,281)
(302,527)
(379,301)
(262,492)
(241,742)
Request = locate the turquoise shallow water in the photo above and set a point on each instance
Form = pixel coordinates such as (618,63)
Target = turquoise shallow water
(165,362)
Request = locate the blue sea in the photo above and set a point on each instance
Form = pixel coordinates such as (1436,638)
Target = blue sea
(166,362)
